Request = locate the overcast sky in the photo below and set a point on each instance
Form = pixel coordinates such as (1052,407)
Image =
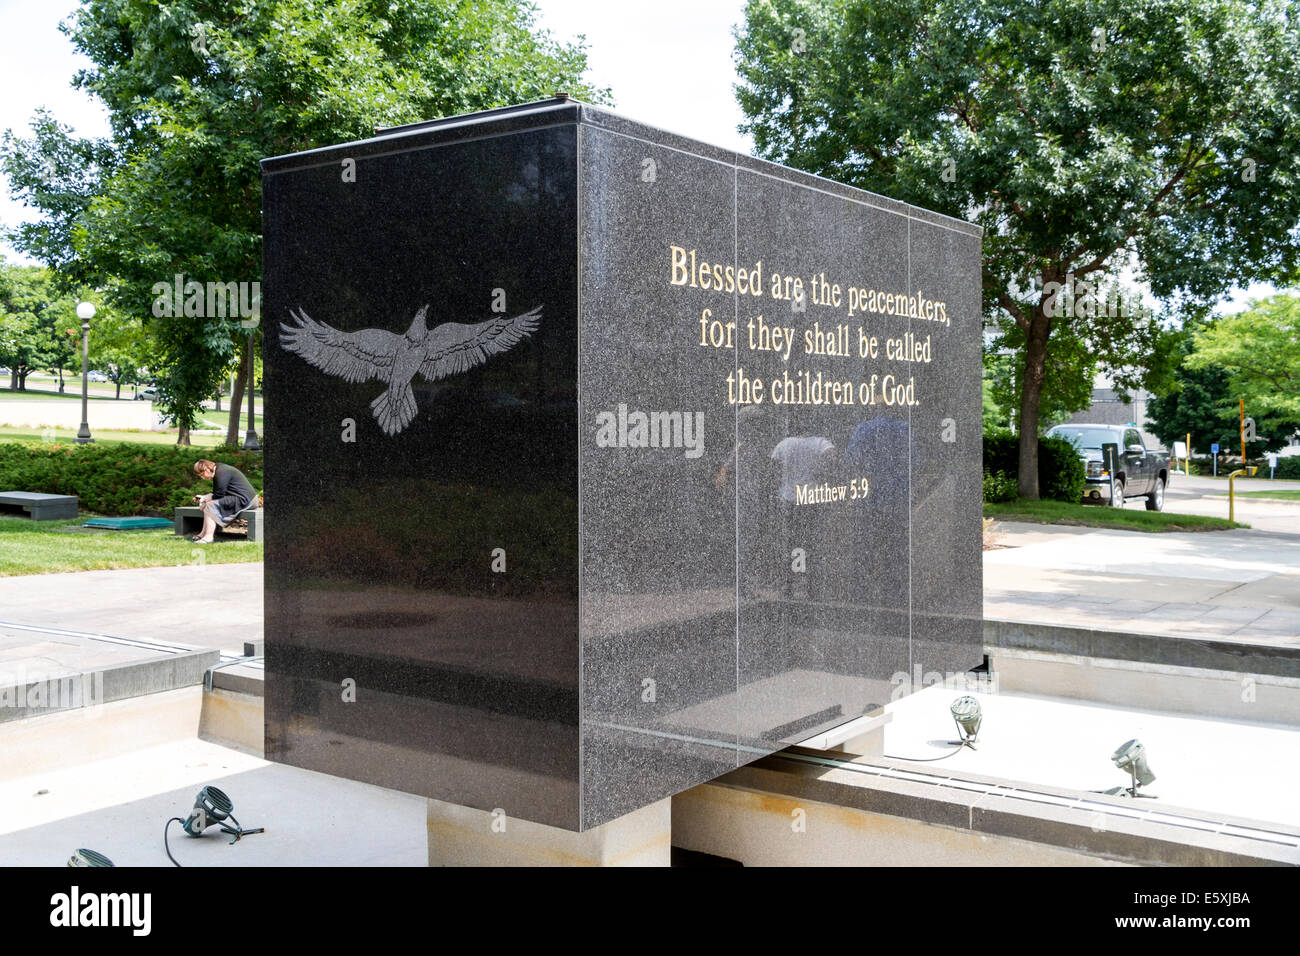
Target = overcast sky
(668,63)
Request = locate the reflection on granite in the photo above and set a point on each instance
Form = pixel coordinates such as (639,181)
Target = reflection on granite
(583,567)
(946,485)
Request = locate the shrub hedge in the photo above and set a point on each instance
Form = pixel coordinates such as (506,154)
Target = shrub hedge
(1060,470)
(117,478)
(1288,467)
(999,487)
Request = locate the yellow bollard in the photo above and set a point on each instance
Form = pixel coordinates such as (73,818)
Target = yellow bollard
(1248,471)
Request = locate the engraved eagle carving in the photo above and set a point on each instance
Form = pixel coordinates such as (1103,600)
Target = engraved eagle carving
(447,349)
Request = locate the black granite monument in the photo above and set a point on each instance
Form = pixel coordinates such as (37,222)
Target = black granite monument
(602,461)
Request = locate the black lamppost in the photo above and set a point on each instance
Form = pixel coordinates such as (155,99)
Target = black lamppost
(85,312)
(250,439)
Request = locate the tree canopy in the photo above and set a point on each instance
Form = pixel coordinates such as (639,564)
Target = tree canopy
(199,92)
(39,329)
(1258,351)
(1141,141)
(1203,403)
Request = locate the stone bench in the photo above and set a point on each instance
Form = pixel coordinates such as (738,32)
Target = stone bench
(37,506)
(189,521)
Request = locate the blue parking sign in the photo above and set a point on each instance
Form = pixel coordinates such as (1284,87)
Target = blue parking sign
(1214,448)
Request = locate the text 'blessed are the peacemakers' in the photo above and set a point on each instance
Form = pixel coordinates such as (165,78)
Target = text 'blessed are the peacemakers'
(838,340)
(688,270)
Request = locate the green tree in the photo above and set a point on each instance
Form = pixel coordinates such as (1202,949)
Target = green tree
(1259,352)
(1087,137)
(36,317)
(118,346)
(16,328)
(995,416)
(1203,404)
(65,342)
(58,174)
(199,92)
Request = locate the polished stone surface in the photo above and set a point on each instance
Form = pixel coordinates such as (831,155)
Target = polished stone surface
(946,493)
(381,570)
(693,577)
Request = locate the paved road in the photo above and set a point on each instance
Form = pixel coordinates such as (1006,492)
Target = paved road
(1241,585)
(39,385)
(1236,585)
(1208,496)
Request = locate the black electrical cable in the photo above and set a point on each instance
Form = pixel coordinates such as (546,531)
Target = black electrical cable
(237,831)
(925,759)
(166,826)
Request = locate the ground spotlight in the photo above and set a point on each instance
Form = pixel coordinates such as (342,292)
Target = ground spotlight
(967,715)
(84,857)
(211,806)
(1131,757)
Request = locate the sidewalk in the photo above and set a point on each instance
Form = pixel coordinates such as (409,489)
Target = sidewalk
(1238,585)
(1242,586)
(208,605)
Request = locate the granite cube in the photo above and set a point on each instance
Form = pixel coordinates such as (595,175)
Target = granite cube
(603,461)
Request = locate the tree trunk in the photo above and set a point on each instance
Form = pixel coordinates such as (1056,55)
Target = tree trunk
(183,435)
(1031,394)
(60,381)
(236,403)
(119,389)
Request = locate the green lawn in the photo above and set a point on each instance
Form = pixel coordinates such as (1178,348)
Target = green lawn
(1097,516)
(43,547)
(98,392)
(211,419)
(168,437)
(9,432)
(1285,494)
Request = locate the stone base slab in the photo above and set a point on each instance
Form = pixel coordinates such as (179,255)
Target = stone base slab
(464,836)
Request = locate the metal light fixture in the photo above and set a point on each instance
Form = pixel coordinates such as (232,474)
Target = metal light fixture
(211,806)
(85,312)
(250,438)
(968,716)
(1131,757)
(84,857)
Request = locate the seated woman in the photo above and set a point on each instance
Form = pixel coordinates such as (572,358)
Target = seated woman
(231,495)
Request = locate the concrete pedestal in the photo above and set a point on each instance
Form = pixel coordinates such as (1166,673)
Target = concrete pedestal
(39,507)
(189,521)
(463,836)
